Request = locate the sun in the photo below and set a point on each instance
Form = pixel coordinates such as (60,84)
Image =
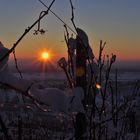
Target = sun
(45,55)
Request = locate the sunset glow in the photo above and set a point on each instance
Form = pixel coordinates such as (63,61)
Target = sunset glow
(45,55)
(121,34)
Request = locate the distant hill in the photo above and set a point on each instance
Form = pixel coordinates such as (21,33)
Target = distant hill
(49,66)
(30,66)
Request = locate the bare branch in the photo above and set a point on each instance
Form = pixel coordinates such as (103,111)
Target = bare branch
(102,46)
(65,26)
(16,63)
(70,55)
(25,32)
(26,93)
(60,19)
(72,18)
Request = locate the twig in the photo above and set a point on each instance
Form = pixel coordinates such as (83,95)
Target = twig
(60,19)
(26,93)
(112,60)
(116,88)
(100,63)
(16,63)
(70,55)
(25,32)
(112,101)
(63,64)
(72,18)
(102,45)
(110,119)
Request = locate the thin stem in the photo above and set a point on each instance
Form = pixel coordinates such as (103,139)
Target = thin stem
(25,32)
(60,19)
(72,18)
(16,63)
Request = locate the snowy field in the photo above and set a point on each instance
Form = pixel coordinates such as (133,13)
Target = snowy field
(59,78)
(37,123)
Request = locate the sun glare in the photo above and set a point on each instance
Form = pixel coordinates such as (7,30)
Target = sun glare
(98,86)
(45,55)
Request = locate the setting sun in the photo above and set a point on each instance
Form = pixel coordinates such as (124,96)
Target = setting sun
(45,55)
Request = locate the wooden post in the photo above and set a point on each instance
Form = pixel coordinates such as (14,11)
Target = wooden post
(80,125)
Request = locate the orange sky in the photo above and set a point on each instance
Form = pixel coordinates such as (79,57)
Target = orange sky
(115,22)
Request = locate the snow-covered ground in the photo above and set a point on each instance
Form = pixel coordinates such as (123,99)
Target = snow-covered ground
(47,123)
(127,75)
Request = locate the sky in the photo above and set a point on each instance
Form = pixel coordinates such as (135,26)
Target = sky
(115,21)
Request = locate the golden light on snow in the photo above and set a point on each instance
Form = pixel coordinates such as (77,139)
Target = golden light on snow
(45,55)
(98,86)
